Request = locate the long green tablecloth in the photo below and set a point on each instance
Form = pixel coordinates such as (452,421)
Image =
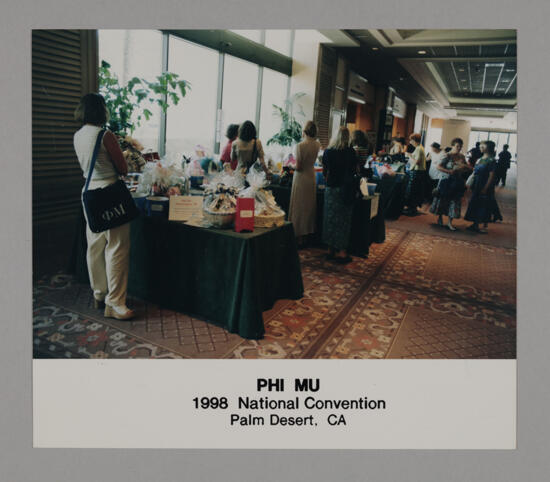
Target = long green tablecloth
(392,194)
(364,230)
(226,278)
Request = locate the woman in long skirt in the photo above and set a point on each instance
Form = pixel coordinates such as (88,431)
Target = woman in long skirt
(339,166)
(303,198)
(414,196)
(481,202)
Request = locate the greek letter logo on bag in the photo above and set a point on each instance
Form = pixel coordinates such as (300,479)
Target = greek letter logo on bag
(115,212)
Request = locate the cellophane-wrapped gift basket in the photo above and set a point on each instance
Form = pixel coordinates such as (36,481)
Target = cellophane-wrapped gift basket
(266,211)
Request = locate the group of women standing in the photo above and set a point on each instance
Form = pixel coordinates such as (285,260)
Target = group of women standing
(342,161)
(243,147)
(108,251)
(453,174)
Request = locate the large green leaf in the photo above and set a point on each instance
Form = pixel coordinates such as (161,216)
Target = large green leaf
(124,103)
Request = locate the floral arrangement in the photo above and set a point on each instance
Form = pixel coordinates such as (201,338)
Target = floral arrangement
(132,151)
(162,179)
(194,169)
(287,175)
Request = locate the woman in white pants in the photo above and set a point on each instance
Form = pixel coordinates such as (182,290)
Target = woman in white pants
(108,251)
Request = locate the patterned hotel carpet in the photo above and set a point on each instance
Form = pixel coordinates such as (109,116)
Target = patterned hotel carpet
(424,293)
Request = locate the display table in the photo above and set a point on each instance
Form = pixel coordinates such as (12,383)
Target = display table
(392,191)
(364,230)
(224,277)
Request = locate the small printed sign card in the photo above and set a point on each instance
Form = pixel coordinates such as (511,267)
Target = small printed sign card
(185,208)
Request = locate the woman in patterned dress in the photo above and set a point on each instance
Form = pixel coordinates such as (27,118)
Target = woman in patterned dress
(451,186)
(483,188)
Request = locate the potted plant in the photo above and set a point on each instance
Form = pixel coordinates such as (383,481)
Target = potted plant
(127,105)
(290,132)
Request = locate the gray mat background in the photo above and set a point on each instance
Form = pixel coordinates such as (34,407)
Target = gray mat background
(19,462)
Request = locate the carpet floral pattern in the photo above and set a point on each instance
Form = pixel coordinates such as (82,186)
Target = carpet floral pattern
(463,269)
(417,295)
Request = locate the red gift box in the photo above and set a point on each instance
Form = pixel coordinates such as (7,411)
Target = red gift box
(244,219)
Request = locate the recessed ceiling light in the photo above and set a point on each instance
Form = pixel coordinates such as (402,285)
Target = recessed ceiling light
(510,70)
(461,70)
(505,81)
(463,80)
(422,52)
(375,48)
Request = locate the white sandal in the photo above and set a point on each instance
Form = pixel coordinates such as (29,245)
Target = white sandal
(118,312)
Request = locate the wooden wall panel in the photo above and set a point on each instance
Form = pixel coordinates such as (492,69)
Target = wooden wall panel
(64,67)
(324,92)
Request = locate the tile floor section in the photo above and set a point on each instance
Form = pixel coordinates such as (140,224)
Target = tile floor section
(424,293)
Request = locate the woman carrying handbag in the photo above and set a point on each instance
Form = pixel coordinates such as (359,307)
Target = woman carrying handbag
(106,207)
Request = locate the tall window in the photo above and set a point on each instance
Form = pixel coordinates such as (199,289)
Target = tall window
(135,53)
(139,53)
(240,88)
(513,143)
(192,122)
(274,89)
(278,40)
(499,138)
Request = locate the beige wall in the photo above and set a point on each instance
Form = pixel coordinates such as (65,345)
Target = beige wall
(304,67)
(455,128)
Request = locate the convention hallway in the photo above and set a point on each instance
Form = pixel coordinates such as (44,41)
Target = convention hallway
(424,293)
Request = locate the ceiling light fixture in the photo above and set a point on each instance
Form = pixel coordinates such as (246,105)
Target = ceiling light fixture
(422,52)
(375,48)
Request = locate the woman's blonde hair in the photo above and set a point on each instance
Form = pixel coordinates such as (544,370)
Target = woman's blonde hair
(341,141)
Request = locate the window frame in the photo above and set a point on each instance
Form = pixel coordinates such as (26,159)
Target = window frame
(244,49)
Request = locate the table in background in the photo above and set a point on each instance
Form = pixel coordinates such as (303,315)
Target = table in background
(392,191)
(224,277)
(364,230)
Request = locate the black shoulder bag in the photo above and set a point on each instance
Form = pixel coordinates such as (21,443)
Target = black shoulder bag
(107,207)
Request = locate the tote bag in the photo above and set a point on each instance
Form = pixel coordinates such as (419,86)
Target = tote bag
(107,207)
